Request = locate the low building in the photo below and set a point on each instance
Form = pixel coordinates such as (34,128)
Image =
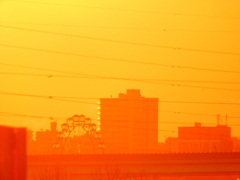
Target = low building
(44,141)
(198,139)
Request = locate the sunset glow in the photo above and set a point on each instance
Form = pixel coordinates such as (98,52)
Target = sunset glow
(58,58)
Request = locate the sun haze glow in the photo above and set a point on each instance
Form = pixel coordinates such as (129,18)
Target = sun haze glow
(89,39)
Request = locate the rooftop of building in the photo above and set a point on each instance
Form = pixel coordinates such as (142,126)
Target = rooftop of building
(130,94)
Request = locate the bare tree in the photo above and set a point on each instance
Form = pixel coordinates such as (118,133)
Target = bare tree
(119,173)
(110,173)
(51,173)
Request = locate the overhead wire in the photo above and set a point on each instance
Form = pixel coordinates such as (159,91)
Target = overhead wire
(152,82)
(114,121)
(112,59)
(45,69)
(159,110)
(127,10)
(43,97)
(161,101)
(49,97)
(117,78)
(128,28)
(108,40)
(165,111)
(23,115)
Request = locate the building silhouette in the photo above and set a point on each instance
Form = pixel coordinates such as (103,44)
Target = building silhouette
(203,139)
(43,144)
(45,139)
(53,141)
(31,147)
(129,123)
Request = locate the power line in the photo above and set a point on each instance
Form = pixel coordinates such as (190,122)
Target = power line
(92,7)
(44,69)
(116,78)
(109,40)
(165,111)
(149,81)
(28,116)
(112,59)
(174,112)
(44,97)
(128,10)
(159,122)
(161,101)
(128,28)
(54,118)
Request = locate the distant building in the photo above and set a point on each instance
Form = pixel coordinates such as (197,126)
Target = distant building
(236,144)
(30,143)
(198,138)
(79,139)
(45,139)
(201,139)
(129,123)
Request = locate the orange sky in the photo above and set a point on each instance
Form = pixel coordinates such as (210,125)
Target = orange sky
(212,25)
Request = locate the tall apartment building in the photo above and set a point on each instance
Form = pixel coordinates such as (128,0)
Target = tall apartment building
(129,123)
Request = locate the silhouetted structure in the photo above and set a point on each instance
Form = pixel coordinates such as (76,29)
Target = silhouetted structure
(31,148)
(44,140)
(129,123)
(78,136)
(199,138)
(12,153)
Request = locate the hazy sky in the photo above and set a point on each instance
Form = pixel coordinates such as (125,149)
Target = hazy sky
(95,35)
